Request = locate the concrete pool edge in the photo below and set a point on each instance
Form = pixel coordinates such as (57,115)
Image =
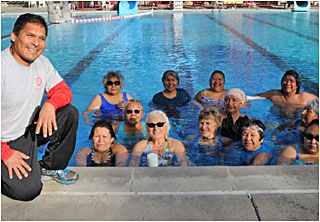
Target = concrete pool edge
(21,10)
(180,193)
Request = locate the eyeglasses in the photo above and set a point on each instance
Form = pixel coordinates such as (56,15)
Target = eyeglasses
(311,137)
(136,111)
(152,125)
(110,83)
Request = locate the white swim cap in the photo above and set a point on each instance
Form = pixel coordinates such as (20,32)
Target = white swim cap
(237,93)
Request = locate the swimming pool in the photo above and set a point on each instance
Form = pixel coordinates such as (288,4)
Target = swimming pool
(253,48)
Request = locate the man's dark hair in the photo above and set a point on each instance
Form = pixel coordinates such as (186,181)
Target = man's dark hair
(295,75)
(104,124)
(28,18)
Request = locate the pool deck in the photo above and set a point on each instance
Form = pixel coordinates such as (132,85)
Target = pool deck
(180,193)
(20,10)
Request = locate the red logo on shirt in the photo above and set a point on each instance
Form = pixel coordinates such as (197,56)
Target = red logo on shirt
(39,81)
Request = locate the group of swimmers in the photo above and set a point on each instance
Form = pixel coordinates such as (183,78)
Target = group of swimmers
(227,137)
(25,125)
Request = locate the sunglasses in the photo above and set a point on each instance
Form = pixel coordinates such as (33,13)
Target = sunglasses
(136,111)
(110,83)
(311,137)
(152,125)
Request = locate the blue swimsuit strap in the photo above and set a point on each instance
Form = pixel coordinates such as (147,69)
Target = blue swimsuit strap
(124,97)
(149,150)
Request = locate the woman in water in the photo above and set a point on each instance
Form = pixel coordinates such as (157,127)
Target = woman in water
(288,133)
(289,98)
(215,94)
(250,151)
(171,96)
(103,152)
(131,130)
(111,102)
(233,123)
(170,151)
(310,112)
(308,150)
(204,149)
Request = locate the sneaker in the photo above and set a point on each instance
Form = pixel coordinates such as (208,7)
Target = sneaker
(64,176)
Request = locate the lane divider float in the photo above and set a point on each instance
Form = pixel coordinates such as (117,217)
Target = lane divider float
(74,21)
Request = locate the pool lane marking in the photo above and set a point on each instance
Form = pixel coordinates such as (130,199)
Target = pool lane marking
(311,85)
(295,19)
(282,28)
(85,62)
(5,36)
(100,19)
(272,57)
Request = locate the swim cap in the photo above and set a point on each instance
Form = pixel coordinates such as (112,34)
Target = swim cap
(237,93)
(256,127)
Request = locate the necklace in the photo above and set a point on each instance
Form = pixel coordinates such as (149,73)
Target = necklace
(102,157)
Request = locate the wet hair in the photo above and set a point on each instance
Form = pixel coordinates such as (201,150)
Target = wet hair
(258,125)
(210,113)
(313,122)
(103,124)
(158,112)
(295,75)
(111,74)
(217,71)
(126,106)
(170,72)
(28,18)
(314,104)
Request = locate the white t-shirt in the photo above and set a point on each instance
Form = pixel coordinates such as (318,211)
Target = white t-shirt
(22,90)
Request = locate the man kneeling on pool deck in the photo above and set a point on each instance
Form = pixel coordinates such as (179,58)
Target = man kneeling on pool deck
(25,75)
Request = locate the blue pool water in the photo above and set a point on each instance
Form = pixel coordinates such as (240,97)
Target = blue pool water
(254,49)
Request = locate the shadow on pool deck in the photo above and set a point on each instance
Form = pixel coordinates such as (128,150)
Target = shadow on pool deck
(181,193)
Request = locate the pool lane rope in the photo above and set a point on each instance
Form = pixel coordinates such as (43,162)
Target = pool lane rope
(109,18)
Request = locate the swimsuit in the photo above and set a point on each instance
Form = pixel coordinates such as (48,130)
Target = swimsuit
(233,131)
(166,158)
(109,162)
(205,100)
(202,155)
(239,156)
(182,99)
(129,140)
(299,162)
(109,110)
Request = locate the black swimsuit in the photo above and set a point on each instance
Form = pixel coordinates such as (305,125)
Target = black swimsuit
(233,131)
(109,162)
